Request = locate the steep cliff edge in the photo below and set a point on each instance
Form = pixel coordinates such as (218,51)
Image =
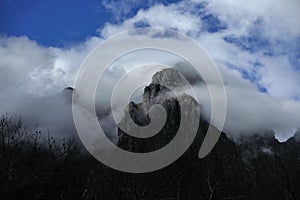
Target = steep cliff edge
(139,112)
(256,167)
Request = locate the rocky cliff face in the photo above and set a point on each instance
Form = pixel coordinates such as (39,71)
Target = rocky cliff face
(153,94)
(256,167)
(158,94)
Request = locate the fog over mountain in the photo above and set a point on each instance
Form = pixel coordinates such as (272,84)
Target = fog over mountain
(254,44)
(51,144)
(248,110)
(255,167)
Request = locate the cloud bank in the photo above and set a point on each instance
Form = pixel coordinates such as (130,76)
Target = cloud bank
(256,44)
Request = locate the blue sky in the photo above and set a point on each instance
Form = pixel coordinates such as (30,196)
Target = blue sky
(53,22)
(43,42)
(61,22)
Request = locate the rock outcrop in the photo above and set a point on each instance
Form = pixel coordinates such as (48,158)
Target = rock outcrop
(256,167)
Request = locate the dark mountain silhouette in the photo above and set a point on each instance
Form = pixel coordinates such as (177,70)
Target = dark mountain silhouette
(255,167)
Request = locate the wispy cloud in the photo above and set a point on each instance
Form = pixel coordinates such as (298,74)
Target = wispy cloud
(250,34)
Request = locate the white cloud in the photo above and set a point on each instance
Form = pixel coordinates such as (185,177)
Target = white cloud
(275,23)
(19,57)
(280,77)
(33,78)
(32,71)
(249,111)
(279,18)
(172,17)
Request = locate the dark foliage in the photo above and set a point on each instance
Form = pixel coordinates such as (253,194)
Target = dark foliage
(37,167)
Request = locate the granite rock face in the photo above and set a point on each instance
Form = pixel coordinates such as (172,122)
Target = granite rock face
(157,93)
(253,167)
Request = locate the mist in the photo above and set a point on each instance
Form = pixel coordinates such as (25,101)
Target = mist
(33,79)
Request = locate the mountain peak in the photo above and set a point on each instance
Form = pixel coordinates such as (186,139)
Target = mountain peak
(168,77)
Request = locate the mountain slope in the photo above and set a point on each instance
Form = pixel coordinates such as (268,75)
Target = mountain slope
(255,167)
